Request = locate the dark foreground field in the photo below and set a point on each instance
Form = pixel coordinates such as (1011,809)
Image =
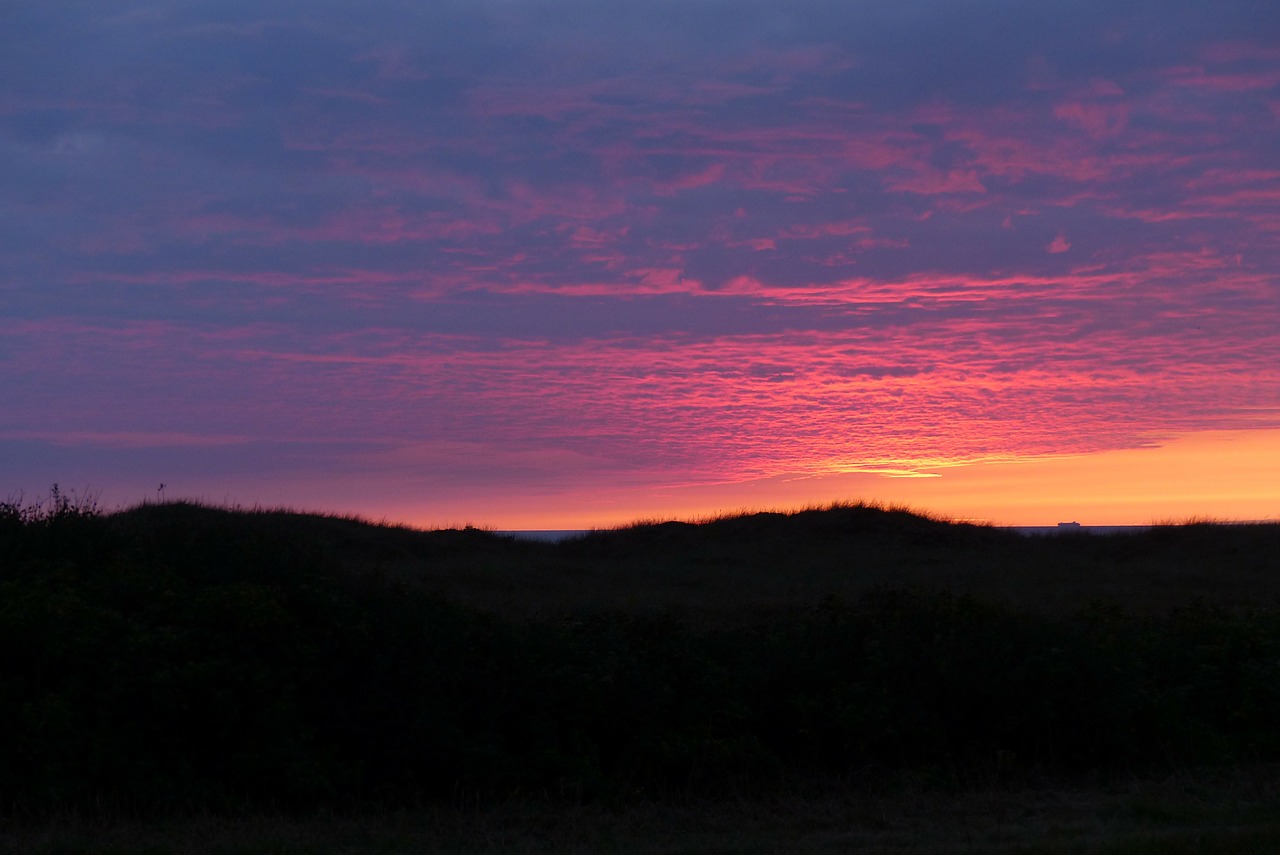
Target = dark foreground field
(1227,811)
(184,678)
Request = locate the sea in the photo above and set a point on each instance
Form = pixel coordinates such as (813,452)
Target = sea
(556,535)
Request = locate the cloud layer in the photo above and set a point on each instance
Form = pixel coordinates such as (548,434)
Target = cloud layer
(592,245)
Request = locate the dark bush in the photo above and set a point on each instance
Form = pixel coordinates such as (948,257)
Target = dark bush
(192,657)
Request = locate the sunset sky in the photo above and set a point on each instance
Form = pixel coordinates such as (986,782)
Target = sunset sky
(561,264)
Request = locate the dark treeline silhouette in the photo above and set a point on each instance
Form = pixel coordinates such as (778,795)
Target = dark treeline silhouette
(178,657)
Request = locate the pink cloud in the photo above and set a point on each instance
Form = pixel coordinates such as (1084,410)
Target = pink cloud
(822,230)
(664,281)
(1099,120)
(393,63)
(522,98)
(702,178)
(723,91)
(739,394)
(1101,87)
(1002,142)
(1059,244)
(389,225)
(931,182)
(586,237)
(909,385)
(348,93)
(126,439)
(1155,215)
(1228,52)
(815,59)
(1227,82)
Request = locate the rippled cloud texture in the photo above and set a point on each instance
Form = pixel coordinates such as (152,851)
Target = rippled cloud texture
(553,261)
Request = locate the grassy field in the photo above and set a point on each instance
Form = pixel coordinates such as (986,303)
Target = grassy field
(1223,811)
(180,678)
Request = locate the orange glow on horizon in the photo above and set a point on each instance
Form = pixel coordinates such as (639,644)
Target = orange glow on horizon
(1221,475)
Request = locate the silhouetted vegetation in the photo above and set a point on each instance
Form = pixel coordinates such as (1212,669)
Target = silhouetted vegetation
(177,657)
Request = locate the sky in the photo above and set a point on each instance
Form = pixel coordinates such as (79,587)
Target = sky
(564,264)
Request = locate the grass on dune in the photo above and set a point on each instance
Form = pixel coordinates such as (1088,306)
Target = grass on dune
(723,566)
(177,660)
